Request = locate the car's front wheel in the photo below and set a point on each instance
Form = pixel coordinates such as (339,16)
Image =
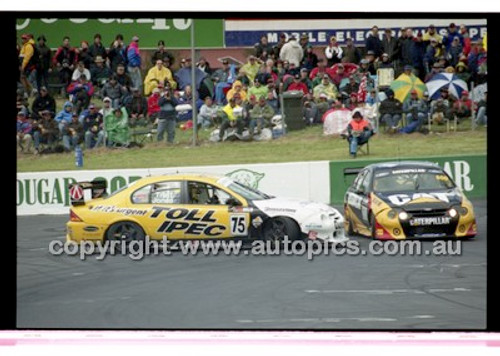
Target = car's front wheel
(122,233)
(277,228)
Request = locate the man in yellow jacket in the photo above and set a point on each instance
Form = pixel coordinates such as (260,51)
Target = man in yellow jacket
(158,74)
(237,89)
(27,60)
(251,68)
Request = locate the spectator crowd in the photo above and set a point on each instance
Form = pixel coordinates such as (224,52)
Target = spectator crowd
(234,96)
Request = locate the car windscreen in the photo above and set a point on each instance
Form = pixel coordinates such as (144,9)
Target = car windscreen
(411,179)
(243,190)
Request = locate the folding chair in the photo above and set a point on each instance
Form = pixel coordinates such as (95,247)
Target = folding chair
(364,148)
(141,134)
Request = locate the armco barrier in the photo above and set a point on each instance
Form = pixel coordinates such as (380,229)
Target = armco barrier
(468,172)
(47,192)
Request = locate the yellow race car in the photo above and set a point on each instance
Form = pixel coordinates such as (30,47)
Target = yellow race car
(398,200)
(191,206)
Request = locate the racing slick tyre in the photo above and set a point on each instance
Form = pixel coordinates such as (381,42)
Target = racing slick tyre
(124,232)
(277,228)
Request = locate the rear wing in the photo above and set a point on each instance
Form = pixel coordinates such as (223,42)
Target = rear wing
(97,187)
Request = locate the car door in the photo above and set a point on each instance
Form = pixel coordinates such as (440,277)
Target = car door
(355,197)
(221,213)
(163,203)
(364,190)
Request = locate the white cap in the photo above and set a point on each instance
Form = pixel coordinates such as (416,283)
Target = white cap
(357,110)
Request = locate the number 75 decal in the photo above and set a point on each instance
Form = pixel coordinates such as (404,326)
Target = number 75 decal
(239,226)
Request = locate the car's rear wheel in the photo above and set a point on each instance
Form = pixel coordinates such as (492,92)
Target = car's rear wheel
(124,232)
(277,228)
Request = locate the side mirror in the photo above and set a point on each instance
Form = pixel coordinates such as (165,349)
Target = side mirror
(232,202)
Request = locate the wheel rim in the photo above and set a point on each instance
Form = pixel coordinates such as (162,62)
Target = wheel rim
(276,231)
(125,231)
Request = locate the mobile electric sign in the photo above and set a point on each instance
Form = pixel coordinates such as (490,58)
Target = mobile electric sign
(246,33)
(175,32)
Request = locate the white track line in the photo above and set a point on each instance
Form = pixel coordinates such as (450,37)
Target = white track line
(391,291)
(314,320)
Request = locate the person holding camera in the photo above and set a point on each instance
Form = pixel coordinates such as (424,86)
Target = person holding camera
(167,115)
(93,127)
(72,133)
(65,60)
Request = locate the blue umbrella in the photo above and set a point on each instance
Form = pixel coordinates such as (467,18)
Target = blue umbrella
(183,77)
(449,81)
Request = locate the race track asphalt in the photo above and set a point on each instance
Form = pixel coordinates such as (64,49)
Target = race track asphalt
(248,292)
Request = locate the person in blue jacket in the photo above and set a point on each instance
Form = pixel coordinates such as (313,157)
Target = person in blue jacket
(452,33)
(134,63)
(63,117)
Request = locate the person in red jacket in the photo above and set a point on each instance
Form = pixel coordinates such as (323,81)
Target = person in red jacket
(462,108)
(467,43)
(65,60)
(320,70)
(359,131)
(297,84)
(153,107)
(340,75)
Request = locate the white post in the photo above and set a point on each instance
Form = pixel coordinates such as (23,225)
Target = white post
(194,89)
(472,108)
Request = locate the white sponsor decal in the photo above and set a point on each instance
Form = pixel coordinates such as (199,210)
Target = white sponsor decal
(409,170)
(460,171)
(354,200)
(281,210)
(257,222)
(430,221)
(401,199)
(115,209)
(239,227)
